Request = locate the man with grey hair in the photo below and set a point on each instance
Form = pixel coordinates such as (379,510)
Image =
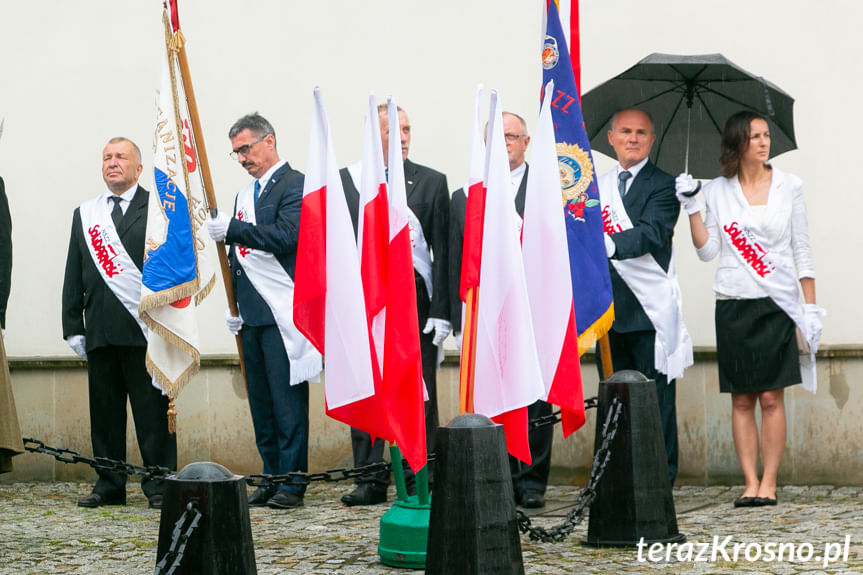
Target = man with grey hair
(101,293)
(263,235)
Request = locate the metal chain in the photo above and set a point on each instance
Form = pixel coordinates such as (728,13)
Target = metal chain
(589,403)
(102,463)
(179,539)
(588,494)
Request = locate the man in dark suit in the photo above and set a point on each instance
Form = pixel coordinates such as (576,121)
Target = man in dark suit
(428,201)
(10,432)
(528,481)
(649,200)
(101,290)
(266,221)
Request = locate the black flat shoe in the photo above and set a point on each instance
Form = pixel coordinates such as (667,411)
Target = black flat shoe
(746,502)
(765,501)
(98,500)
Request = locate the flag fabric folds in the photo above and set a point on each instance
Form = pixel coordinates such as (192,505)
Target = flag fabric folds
(507,377)
(549,283)
(177,272)
(591,284)
(329,307)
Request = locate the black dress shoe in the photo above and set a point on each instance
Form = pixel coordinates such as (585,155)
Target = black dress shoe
(260,496)
(365,494)
(285,500)
(532,500)
(746,502)
(98,500)
(155,501)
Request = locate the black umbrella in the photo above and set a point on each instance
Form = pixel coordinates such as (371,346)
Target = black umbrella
(689,98)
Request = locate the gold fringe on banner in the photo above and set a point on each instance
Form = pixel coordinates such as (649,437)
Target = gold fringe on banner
(589,337)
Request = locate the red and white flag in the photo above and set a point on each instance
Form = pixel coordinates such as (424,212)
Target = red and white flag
(328,295)
(402,365)
(507,377)
(549,284)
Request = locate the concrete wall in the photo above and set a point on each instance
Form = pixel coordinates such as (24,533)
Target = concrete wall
(824,445)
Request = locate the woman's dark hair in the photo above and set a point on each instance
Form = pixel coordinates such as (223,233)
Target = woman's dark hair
(735,141)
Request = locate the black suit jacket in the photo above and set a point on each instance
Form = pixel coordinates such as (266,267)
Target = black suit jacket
(653,209)
(428,199)
(5,253)
(277,228)
(90,308)
(458,204)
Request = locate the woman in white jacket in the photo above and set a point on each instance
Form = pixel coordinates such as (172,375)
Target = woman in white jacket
(756,222)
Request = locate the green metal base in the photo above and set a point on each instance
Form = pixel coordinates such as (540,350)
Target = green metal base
(405,527)
(404,534)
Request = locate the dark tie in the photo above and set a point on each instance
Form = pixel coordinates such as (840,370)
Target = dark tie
(621,182)
(117,212)
(257,190)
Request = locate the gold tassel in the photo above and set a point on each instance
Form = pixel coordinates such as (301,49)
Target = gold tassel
(172,417)
(177,41)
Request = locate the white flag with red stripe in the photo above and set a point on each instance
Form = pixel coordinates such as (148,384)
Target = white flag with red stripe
(507,375)
(547,268)
(328,296)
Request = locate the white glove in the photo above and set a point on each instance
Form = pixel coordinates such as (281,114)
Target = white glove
(78,343)
(610,246)
(234,323)
(218,226)
(684,184)
(3,332)
(812,319)
(458,340)
(441,328)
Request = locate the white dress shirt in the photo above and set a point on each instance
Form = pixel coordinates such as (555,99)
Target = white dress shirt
(125,198)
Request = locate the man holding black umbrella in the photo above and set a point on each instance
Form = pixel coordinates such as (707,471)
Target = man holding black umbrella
(639,210)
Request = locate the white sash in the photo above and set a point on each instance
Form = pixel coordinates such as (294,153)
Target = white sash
(656,290)
(752,248)
(116,267)
(273,283)
(419,246)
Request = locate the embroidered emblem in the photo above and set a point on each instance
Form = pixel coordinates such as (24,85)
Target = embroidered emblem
(576,175)
(550,53)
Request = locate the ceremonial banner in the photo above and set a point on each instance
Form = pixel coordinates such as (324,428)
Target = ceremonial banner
(177,272)
(507,377)
(329,306)
(591,284)
(549,279)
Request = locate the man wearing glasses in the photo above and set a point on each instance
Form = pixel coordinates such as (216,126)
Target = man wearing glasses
(528,481)
(278,360)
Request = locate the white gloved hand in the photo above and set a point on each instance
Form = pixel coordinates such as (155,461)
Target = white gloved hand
(684,184)
(3,332)
(458,340)
(218,226)
(78,343)
(610,246)
(234,323)
(812,319)
(441,328)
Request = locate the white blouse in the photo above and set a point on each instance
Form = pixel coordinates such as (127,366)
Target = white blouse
(784,224)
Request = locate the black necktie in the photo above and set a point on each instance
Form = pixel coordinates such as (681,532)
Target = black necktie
(621,182)
(117,212)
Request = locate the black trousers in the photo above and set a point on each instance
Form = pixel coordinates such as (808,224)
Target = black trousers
(534,477)
(115,374)
(635,350)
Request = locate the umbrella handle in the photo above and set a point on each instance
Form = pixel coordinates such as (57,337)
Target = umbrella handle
(693,192)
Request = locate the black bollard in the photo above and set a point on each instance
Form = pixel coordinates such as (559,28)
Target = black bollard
(221,543)
(472,527)
(633,497)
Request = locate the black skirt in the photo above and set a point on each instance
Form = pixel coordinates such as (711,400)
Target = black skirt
(756,346)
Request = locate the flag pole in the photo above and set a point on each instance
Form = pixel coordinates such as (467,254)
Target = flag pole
(209,194)
(468,352)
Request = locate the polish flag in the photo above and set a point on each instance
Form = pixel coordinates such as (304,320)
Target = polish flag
(508,377)
(549,285)
(328,295)
(402,366)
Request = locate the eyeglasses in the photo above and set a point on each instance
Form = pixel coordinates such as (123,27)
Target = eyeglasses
(244,150)
(513,137)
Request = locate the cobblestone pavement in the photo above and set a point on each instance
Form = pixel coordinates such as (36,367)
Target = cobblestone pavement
(42,531)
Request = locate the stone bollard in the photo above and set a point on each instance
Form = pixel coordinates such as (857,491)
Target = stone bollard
(472,527)
(221,544)
(633,497)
